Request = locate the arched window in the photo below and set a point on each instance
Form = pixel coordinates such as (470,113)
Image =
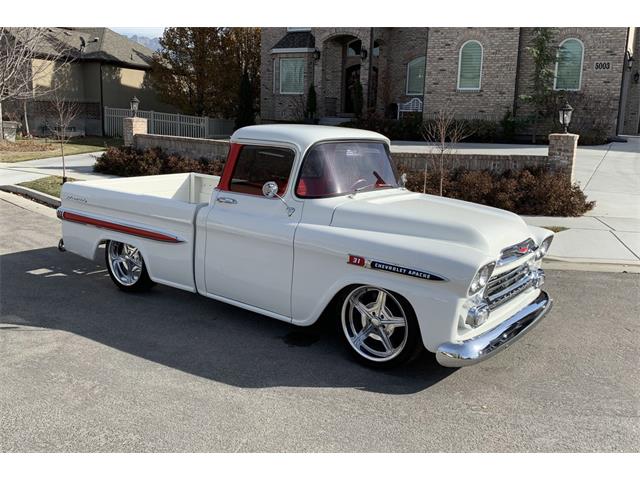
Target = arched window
(354,48)
(569,65)
(415,76)
(470,66)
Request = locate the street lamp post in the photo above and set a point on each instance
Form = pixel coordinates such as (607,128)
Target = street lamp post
(134,104)
(565,115)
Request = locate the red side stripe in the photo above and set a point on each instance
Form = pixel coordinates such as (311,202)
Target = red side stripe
(138,232)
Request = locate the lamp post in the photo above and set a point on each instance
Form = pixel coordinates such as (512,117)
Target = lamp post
(134,104)
(565,115)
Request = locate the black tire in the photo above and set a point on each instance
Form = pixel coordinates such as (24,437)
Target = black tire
(142,283)
(405,340)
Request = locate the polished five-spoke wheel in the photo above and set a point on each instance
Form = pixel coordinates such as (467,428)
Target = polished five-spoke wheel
(126,267)
(378,326)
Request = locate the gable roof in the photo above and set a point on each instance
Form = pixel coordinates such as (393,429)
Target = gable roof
(296,40)
(110,47)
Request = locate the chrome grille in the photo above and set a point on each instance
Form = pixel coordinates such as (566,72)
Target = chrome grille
(505,286)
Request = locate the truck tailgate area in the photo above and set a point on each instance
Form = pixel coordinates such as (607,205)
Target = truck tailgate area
(156,214)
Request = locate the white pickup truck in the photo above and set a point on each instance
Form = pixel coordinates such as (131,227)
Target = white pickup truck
(310,218)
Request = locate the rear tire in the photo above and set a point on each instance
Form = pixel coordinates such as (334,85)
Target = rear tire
(379,327)
(126,267)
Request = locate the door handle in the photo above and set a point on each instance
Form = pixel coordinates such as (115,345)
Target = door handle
(230,201)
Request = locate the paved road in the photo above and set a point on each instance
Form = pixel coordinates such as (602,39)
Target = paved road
(85,367)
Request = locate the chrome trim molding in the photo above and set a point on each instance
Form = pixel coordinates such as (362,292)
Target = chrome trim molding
(517,251)
(489,343)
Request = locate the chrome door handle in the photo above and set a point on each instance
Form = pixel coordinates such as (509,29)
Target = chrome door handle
(230,201)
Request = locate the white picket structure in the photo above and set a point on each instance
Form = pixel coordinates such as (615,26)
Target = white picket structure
(173,124)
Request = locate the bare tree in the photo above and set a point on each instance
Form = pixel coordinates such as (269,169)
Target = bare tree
(443,132)
(64,112)
(26,55)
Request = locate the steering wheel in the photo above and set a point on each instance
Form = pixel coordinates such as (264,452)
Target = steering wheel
(356,183)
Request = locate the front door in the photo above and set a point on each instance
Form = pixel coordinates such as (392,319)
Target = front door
(249,245)
(352,78)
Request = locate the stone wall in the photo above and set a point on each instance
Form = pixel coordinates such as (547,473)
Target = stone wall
(414,162)
(195,148)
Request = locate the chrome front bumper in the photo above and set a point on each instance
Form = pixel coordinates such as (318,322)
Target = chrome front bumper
(491,342)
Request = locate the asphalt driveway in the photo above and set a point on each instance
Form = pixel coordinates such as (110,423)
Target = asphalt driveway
(85,367)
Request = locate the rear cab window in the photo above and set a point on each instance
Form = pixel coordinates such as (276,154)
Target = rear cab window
(257,165)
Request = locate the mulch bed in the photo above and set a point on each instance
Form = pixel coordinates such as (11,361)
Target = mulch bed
(27,146)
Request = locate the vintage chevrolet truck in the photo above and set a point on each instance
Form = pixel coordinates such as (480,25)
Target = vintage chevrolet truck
(306,220)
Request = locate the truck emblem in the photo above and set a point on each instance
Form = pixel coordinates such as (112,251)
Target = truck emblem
(389,267)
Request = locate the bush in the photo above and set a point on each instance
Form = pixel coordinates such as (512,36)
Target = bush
(129,162)
(407,128)
(532,191)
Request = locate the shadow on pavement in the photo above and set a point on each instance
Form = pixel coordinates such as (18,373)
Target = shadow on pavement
(48,289)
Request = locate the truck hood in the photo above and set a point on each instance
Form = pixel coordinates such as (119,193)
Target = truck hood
(477,226)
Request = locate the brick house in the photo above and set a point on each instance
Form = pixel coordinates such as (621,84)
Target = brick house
(479,73)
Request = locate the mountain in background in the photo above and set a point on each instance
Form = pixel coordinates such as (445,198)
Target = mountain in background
(152,43)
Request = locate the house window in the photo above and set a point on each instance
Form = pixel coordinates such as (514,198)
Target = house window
(569,65)
(415,76)
(292,75)
(470,66)
(354,48)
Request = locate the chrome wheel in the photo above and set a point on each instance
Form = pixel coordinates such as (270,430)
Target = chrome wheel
(375,324)
(125,263)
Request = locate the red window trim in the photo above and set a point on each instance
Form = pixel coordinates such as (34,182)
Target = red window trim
(229,167)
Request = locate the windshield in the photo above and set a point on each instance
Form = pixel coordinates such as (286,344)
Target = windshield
(340,168)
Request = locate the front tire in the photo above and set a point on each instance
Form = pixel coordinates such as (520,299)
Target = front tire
(126,267)
(379,327)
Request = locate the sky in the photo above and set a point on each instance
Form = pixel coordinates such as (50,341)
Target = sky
(150,32)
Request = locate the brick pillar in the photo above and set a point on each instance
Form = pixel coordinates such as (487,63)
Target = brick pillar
(562,152)
(132,126)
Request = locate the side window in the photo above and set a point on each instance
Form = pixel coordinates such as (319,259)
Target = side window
(415,76)
(257,165)
(470,66)
(569,65)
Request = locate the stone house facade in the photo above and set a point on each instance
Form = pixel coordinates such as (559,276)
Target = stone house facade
(479,73)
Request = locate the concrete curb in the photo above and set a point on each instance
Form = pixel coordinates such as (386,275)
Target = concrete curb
(48,200)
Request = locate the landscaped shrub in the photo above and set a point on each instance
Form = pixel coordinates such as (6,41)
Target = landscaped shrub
(129,162)
(407,128)
(533,191)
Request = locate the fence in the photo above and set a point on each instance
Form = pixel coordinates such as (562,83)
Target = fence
(174,124)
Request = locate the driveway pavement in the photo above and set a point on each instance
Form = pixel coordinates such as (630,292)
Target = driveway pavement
(78,166)
(86,367)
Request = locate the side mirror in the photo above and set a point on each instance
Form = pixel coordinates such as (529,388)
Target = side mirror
(403,180)
(270,189)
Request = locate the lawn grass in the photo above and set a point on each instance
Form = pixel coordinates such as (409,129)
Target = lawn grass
(73,147)
(556,229)
(50,185)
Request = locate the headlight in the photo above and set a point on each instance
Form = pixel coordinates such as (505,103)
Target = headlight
(481,278)
(544,247)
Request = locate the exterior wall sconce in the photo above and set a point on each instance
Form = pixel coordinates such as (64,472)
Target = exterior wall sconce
(630,61)
(565,115)
(636,77)
(316,54)
(363,54)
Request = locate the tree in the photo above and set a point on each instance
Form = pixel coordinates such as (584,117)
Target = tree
(312,102)
(198,70)
(245,103)
(543,51)
(443,132)
(25,57)
(64,113)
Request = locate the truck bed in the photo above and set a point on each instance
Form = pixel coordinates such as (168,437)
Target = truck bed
(140,211)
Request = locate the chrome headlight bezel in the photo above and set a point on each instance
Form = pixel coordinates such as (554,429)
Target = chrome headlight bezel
(481,279)
(542,250)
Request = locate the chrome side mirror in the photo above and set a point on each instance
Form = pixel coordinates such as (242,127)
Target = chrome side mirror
(270,190)
(403,180)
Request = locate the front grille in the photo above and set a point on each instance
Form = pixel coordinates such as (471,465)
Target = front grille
(505,286)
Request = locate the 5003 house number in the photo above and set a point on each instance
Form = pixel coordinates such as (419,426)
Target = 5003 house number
(602,66)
